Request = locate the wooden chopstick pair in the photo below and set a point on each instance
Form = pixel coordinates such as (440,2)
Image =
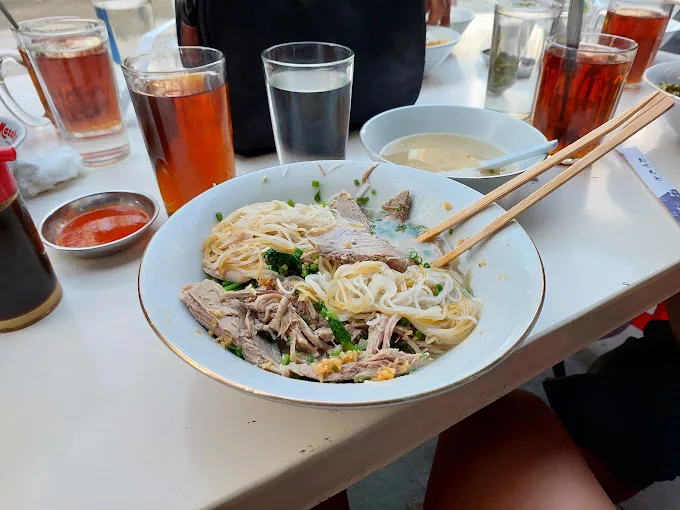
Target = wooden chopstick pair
(631,121)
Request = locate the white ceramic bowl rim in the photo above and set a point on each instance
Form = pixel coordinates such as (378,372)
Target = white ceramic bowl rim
(455,37)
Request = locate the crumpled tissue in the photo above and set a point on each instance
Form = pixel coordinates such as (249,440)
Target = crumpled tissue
(44,170)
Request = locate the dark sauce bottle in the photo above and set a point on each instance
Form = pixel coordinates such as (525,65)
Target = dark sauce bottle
(29,289)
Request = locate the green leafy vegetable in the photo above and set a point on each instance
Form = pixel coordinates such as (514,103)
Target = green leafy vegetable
(235,350)
(337,327)
(438,288)
(317,197)
(315,184)
(227,285)
(420,335)
(285,359)
(283,263)
(362,200)
(291,203)
(356,182)
(218,216)
(404,322)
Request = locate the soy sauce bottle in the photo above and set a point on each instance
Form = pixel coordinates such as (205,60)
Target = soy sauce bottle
(29,289)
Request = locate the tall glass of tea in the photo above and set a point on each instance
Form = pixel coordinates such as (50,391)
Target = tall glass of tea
(645,22)
(309,86)
(182,104)
(70,60)
(579,88)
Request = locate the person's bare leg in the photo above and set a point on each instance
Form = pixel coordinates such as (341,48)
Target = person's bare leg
(513,454)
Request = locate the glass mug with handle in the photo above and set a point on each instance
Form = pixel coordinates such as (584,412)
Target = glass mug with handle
(69,62)
(643,21)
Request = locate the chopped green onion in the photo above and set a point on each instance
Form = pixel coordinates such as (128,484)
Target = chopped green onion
(310,358)
(373,191)
(219,216)
(336,368)
(420,335)
(404,322)
(362,200)
(291,203)
(356,182)
(364,378)
(399,208)
(297,252)
(285,359)
(227,285)
(235,350)
(438,288)
(317,197)
(427,265)
(401,228)
(492,171)
(313,268)
(450,231)
(264,179)
(469,290)
(315,184)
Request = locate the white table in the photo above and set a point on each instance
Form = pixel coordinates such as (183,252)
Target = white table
(98,414)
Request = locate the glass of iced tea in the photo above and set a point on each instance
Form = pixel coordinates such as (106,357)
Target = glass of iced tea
(579,88)
(69,59)
(182,104)
(645,22)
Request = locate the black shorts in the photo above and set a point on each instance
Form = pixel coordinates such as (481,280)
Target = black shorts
(626,409)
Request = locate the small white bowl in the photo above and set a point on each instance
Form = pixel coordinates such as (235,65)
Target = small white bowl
(437,53)
(667,72)
(461,18)
(508,133)
(672,29)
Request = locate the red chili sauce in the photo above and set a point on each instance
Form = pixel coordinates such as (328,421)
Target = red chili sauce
(102,226)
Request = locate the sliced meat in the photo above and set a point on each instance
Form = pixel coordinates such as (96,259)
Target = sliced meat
(348,245)
(399,206)
(225,316)
(363,369)
(380,331)
(348,208)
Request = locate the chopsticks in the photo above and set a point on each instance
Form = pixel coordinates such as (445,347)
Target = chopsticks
(537,169)
(632,120)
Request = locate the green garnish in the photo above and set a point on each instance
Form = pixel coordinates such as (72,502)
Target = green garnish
(404,322)
(235,350)
(218,216)
(373,191)
(401,228)
(317,197)
(264,179)
(310,358)
(297,252)
(315,184)
(362,200)
(337,327)
(420,335)
(291,203)
(284,263)
(227,285)
(356,182)
(413,255)
(469,290)
(285,359)
(491,171)
(313,268)
(438,288)
(671,88)
(450,231)
(364,378)
(402,346)
(427,265)
(398,208)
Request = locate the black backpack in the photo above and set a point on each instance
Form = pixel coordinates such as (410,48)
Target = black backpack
(387,37)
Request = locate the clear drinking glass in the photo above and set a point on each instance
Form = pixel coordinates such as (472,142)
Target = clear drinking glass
(643,21)
(182,104)
(309,86)
(71,62)
(127,21)
(519,31)
(579,89)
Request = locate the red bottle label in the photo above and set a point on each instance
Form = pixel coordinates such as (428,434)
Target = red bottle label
(8,185)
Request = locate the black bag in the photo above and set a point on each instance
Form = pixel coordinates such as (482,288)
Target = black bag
(387,37)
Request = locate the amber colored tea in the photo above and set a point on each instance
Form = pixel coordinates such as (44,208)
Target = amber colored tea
(567,109)
(80,83)
(36,84)
(646,27)
(187,130)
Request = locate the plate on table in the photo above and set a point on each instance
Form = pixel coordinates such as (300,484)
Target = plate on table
(504,273)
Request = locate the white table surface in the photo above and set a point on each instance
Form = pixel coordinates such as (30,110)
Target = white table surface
(98,414)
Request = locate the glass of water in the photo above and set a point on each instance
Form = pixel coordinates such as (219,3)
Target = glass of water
(520,28)
(309,86)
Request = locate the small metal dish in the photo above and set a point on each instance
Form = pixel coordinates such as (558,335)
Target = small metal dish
(63,214)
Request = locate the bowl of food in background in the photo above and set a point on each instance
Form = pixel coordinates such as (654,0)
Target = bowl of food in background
(461,18)
(666,77)
(438,43)
(451,141)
